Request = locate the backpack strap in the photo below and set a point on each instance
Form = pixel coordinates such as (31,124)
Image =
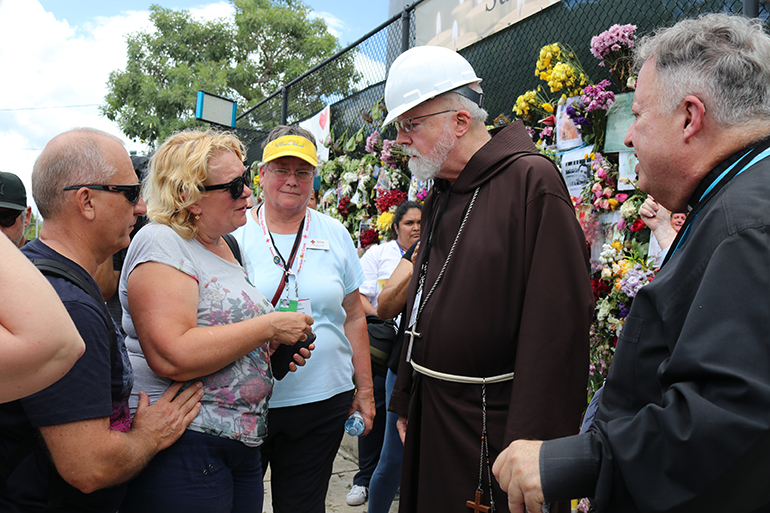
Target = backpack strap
(230,240)
(62,270)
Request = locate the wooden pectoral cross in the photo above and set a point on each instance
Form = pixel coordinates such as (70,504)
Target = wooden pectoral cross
(476,505)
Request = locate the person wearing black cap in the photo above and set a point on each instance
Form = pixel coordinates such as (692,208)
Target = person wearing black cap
(14,212)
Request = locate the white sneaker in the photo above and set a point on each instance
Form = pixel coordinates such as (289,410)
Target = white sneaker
(357,495)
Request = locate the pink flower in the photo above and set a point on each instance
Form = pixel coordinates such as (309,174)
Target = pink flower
(601,174)
(607,192)
(621,197)
(597,188)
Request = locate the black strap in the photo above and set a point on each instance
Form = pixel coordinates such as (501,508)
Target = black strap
(62,270)
(233,244)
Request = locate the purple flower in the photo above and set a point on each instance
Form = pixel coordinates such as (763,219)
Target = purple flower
(634,279)
(597,97)
(371,141)
(616,39)
(531,131)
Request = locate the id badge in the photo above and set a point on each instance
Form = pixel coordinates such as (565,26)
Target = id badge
(287,305)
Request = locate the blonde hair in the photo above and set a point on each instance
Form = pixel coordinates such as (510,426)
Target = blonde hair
(177,172)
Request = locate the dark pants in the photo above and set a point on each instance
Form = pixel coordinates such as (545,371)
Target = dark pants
(369,446)
(302,442)
(199,473)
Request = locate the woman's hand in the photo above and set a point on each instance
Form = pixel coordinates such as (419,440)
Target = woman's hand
(290,327)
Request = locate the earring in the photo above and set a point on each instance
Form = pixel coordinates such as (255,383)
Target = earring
(197,217)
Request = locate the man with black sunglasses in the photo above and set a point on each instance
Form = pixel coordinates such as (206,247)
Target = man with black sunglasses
(82,442)
(14,212)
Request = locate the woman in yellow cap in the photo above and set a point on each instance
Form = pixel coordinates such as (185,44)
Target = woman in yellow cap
(306,262)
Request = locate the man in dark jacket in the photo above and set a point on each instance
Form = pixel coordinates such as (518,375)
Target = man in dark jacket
(683,422)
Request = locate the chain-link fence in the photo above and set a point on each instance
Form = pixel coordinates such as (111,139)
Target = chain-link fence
(505,60)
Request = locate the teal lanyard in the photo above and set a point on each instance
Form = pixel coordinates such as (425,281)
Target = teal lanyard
(718,182)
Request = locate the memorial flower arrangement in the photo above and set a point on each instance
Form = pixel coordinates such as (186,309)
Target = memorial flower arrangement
(364,171)
(561,69)
(601,189)
(589,112)
(613,49)
(621,272)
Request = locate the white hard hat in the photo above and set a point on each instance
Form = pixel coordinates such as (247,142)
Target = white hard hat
(424,72)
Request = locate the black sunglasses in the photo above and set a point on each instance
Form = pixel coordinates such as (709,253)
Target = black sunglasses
(131,192)
(234,187)
(8,217)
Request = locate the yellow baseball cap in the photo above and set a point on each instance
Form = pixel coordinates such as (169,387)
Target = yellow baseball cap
(291,146)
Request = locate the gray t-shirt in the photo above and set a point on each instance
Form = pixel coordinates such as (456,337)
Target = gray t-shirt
(234,404)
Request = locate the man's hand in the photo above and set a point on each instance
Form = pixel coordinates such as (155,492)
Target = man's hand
(517,469)
(166,419)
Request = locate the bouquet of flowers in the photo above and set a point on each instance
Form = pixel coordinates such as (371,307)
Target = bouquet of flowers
(621,273)
(589,113)
(613,49)
(355,180)
(561,69)
(601,190)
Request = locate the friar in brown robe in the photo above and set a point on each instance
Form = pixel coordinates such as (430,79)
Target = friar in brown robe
(514,297)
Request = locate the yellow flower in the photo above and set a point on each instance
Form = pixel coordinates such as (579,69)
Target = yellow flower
(523,103)
(617,246)
(613,203)
(547,107)
(385,221)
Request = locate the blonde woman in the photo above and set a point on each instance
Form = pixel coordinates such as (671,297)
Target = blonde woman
(191,312)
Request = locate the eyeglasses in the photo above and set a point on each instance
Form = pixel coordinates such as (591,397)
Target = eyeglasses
(8,217)
(234,186)
(131,191)
(406,123)
(302,175)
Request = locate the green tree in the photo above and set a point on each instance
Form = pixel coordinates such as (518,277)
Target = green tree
(266,44)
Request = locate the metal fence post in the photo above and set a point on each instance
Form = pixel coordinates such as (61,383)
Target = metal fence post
(284,104)
(751,8)
(404,30)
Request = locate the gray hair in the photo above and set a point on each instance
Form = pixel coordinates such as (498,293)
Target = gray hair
(76,160)
(477,113)
(723,60)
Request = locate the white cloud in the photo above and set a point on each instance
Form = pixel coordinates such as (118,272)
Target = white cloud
(48,65)
(335,25)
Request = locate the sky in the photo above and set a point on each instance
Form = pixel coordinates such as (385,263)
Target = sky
(56,56)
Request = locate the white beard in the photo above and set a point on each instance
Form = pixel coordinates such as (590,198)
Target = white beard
(427,167)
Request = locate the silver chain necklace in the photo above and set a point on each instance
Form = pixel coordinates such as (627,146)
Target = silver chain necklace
(446,262)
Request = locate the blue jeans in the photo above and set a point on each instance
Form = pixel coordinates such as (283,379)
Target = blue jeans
(387,476)
(199,473)
(370,446)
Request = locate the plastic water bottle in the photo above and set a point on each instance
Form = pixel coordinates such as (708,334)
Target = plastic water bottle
(354,426)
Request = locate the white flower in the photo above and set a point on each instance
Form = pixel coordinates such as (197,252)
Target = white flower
(628,210)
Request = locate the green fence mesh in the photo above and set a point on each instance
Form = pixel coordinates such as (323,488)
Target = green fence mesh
(505,60)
